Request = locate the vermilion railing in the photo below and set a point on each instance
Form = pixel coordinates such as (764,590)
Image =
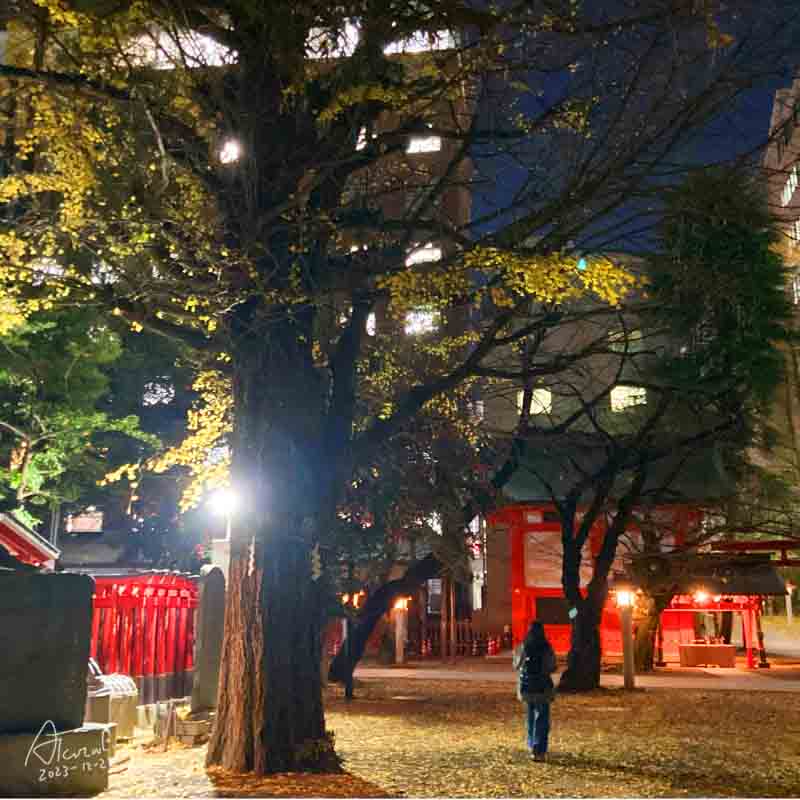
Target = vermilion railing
(143,626)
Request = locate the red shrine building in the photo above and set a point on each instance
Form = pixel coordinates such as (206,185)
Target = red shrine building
(713,590)
(530,536)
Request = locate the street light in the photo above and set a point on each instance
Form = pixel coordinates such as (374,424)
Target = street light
(625,593)
(231,151)
(224,503)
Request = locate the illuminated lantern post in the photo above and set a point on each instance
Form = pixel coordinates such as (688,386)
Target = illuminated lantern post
(790,587)
(223,503)
(625,598)
(400,629)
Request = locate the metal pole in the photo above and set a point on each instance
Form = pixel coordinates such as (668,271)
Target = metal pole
(626,615)
(789,606)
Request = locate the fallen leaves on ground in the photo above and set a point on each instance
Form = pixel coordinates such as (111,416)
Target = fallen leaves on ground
(462,738)
(292,784)
(468,740)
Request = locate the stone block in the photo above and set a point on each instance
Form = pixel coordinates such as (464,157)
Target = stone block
(52,762)
(208,639)
(45,626)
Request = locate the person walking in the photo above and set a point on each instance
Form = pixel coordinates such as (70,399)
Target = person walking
(535,660)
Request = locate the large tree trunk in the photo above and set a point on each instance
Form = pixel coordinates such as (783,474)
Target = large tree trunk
(270,714)
(584,659)
(239,707)
(646,630)
(376,606)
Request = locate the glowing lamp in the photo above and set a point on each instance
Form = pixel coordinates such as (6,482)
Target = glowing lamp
(790,587)
(345,599)
(625,593)
(224,502)
(624,598)
(230,152)
(701,596)
(401,604)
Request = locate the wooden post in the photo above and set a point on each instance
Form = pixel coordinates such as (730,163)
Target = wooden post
(659,661)
(453,620)
(443,611)
(400,628)
(747,635)
(762,653)
(626,614)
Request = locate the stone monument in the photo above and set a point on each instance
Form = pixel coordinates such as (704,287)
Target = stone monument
(45,626)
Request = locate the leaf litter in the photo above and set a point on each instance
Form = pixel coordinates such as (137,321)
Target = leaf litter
(467,740)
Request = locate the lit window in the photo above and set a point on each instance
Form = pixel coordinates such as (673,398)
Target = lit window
(102,274)
(475,410)
(361,141)
(790,186)
(218,455)
(372,324)
(623,397)
(44,268)
(161,50)
(157,393)
(424,255)
(434,522)
(620,341)
(424,144)
(325,43)
(421,321)
(541,401)
(230,152)
(422,42)
(796,287)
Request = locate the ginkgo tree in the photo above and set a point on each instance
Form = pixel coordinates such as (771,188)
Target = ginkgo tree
(285,188)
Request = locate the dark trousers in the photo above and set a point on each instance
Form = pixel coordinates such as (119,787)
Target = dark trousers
(538,727)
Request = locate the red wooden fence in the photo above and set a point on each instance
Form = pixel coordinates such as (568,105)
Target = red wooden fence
(143,626)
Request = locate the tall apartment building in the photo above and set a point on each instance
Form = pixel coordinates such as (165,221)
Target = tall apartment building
(782,167)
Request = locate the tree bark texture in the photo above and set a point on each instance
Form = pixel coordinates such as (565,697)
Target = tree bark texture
(270,715)
(584,659)
(239,700)
(646,630)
